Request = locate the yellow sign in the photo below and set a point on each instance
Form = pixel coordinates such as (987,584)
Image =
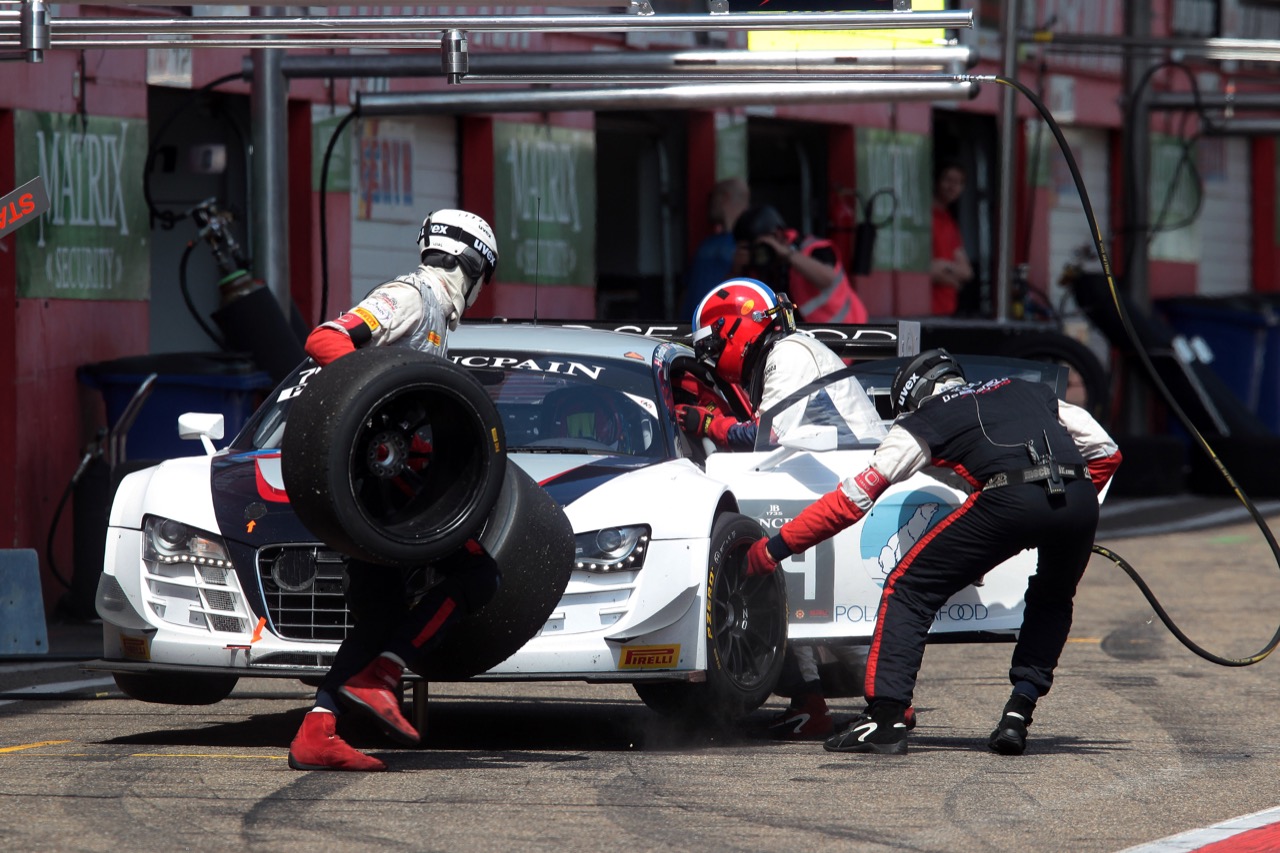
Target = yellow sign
(649,657)
(134,648)
(792,40)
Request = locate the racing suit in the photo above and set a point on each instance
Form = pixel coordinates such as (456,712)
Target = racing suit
(416,310)
(1002,437)
(391,610)
(790,364)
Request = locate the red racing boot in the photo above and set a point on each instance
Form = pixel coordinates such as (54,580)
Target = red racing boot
(317,746)
(806,718)
(373,692)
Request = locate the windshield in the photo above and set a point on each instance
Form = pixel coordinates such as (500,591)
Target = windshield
(547,404)
(571,405)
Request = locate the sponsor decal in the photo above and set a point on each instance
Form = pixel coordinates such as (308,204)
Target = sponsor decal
(571,368)
(23,205)
(637,356)
(954,612)
(649,657)
(135,648)
(367,316)
(291,392)
(433,338)
(896,523)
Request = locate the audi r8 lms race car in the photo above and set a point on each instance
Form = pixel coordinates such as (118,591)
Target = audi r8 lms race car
(211,574)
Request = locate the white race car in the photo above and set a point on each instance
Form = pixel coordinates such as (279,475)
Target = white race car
(210,576)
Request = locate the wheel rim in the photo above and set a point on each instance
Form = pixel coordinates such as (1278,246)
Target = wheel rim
(411,492)
(746,620)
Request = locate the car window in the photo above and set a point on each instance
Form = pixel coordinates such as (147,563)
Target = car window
(876,376)
(836,401)
(571,404)
(568,405)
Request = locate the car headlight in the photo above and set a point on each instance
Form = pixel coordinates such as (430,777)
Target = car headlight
(169,541)
(189,579)
(612,549)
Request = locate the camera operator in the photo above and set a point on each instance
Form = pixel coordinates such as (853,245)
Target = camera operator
(806,268)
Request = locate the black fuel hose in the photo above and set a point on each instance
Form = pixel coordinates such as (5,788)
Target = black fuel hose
(1199,438)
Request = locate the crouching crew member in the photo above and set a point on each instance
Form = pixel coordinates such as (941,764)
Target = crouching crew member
(1035,464)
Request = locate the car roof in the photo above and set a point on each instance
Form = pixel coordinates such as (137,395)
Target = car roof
(564,340)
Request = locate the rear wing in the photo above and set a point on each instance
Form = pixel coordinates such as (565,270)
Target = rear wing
(852,343)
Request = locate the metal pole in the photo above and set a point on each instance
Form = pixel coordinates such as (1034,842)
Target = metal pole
(269,225)
(1137,213)
(467,102)
(1008,127)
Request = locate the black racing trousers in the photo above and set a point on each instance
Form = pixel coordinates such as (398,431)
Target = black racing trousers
(389,616)
(989,528)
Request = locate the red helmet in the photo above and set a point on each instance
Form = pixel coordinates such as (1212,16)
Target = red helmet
(730,322)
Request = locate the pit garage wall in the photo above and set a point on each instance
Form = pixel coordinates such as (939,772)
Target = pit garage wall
(42,407)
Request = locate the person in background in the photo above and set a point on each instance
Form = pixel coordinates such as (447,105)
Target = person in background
(1036,466)
(746,334)
(713,260)
(808,268)
(950,269)
(395,622)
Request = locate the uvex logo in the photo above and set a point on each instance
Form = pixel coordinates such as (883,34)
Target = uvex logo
(485,250)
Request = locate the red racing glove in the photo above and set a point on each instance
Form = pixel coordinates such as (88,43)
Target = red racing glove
(759,560)
(699,421)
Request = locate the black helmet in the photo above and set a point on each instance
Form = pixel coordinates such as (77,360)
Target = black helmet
(914,381)
(762,219)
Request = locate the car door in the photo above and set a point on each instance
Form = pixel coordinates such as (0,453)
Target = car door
(834,588)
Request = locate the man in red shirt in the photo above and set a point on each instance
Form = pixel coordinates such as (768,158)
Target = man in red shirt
(950,269)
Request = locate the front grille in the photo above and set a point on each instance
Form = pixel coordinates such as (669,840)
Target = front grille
(302,586)
(299,660)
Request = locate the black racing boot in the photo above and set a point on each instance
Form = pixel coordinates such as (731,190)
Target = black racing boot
(1010,736)
(881,729)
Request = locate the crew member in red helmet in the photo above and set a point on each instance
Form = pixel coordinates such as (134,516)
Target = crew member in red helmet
(746,334)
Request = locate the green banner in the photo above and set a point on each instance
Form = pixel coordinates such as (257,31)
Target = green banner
(902,163)
(93,241)
(339,179)
(545,203)
(1174,195)
(731,147)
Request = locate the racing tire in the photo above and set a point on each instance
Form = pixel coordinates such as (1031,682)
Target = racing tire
(175,688)
(1088,378)
(746,629)
(530,538)
(347,456)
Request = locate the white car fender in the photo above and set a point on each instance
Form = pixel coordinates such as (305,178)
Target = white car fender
(166,490)
(675,499)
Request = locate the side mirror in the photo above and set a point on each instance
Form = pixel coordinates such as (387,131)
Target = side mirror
(812,437)
(204,426)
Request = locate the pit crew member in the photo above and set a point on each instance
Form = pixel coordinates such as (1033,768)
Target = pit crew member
(396,623)
(746,334)
(1035,464)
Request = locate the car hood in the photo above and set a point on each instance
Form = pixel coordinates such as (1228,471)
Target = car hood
(249,499)
(252,506)
(568,477)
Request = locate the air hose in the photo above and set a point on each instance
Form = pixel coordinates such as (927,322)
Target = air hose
(1199,438)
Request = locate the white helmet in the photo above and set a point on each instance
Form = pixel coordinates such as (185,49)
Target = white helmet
(467,240)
